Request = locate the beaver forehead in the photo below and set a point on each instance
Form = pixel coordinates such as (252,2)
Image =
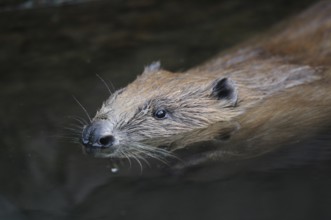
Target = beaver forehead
(164,83)
(160,88)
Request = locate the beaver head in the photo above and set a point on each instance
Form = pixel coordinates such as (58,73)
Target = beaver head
(155,110)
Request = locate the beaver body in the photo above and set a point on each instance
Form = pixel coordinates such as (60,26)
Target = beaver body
(271,90)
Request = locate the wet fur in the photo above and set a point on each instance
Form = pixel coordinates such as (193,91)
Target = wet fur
(282,92)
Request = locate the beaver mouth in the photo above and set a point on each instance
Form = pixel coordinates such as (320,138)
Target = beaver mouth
(101,152)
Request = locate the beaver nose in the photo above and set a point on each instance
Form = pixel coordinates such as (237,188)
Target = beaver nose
(96,135)
(106,141)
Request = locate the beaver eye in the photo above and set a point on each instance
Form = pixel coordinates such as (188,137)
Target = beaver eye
(160,114)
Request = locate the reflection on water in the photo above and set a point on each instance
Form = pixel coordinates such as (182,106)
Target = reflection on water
(48,55)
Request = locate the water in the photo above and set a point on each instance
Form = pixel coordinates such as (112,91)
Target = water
(50,54)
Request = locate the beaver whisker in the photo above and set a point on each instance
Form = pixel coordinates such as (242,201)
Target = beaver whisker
(74,140)
(156,157)
(151,152)
(104,82)
(163,152)
(134,156)
(83,108)
(73,130)
(76,126)
(81,121)
(121,154)
(127,157)
(78,119)
(139,156)
(73,136)
(166,153)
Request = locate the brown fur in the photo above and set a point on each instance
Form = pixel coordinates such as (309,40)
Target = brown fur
(283,85)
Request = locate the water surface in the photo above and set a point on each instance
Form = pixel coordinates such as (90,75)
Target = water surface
(48,54)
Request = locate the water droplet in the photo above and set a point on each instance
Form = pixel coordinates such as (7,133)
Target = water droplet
(114,169)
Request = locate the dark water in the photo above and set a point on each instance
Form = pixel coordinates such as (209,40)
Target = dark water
(49,54)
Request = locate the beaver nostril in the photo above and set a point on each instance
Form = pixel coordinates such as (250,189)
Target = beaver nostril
(106,140)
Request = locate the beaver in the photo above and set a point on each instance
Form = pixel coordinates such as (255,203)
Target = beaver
(267,91)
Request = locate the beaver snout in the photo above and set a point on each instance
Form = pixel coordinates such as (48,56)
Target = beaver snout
(97,136)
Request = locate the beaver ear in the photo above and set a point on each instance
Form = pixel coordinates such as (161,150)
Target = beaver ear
(152,68)
(224,89)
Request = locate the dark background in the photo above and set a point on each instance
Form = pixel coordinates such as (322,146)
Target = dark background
(51,50)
